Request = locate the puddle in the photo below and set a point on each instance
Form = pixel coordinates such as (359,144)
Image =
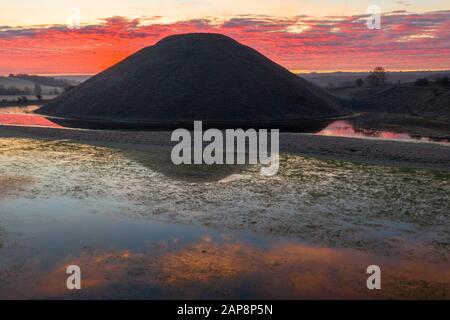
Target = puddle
(27,120)
(141,228)
(343,128)
(23,116)
(123,257)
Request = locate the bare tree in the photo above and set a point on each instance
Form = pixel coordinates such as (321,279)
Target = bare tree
(38,91)
(359,82)
(377,76)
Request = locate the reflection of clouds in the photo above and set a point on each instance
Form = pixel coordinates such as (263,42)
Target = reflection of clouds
(26,120)
(393,135)
(206,261)
(339,128)
(284,270)
(343,128)
(98,271)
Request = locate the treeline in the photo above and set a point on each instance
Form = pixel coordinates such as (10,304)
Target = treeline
(13,91)
(423,82)
(37,90)
(43,81)
(378,76)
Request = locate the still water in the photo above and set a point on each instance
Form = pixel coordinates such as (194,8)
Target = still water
(140,228)
(342,128)
(24,116)
(123,257)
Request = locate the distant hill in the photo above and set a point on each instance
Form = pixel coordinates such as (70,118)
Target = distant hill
(195,77)
(23,84)
(73,79)
(341,79)
(432,101)
(45,81)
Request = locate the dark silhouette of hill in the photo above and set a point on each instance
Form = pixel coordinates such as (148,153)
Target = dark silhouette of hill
(431,101)
(189,77)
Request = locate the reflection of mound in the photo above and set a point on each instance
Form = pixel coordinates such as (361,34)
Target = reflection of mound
(161,162)
(306,126)
(191,77)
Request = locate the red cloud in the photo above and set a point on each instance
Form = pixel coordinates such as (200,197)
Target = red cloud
(406,41)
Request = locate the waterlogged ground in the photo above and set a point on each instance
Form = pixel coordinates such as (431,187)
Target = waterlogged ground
(140,227)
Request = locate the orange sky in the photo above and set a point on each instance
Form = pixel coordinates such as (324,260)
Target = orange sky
(406,40)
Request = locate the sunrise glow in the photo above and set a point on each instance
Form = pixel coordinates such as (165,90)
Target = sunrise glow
(301,35)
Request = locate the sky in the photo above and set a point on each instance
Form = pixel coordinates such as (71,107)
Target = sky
(85,37)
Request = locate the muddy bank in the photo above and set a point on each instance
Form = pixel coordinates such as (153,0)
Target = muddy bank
(419,155)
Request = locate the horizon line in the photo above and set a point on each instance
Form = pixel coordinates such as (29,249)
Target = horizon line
(293,71)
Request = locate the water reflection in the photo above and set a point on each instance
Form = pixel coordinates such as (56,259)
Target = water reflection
(23,116)
(95,207)
(27,120)
(16,116)
(161,162)
(342,128)
(216,266)
(26,116)
(14,185)
(19,109)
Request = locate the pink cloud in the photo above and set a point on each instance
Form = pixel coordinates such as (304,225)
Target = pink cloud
(406,41)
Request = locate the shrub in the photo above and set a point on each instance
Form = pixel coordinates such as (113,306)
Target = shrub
(359,82)
(444,81)
(377,77)
(422,82)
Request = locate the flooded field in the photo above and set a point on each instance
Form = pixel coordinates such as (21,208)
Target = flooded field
(140,227)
